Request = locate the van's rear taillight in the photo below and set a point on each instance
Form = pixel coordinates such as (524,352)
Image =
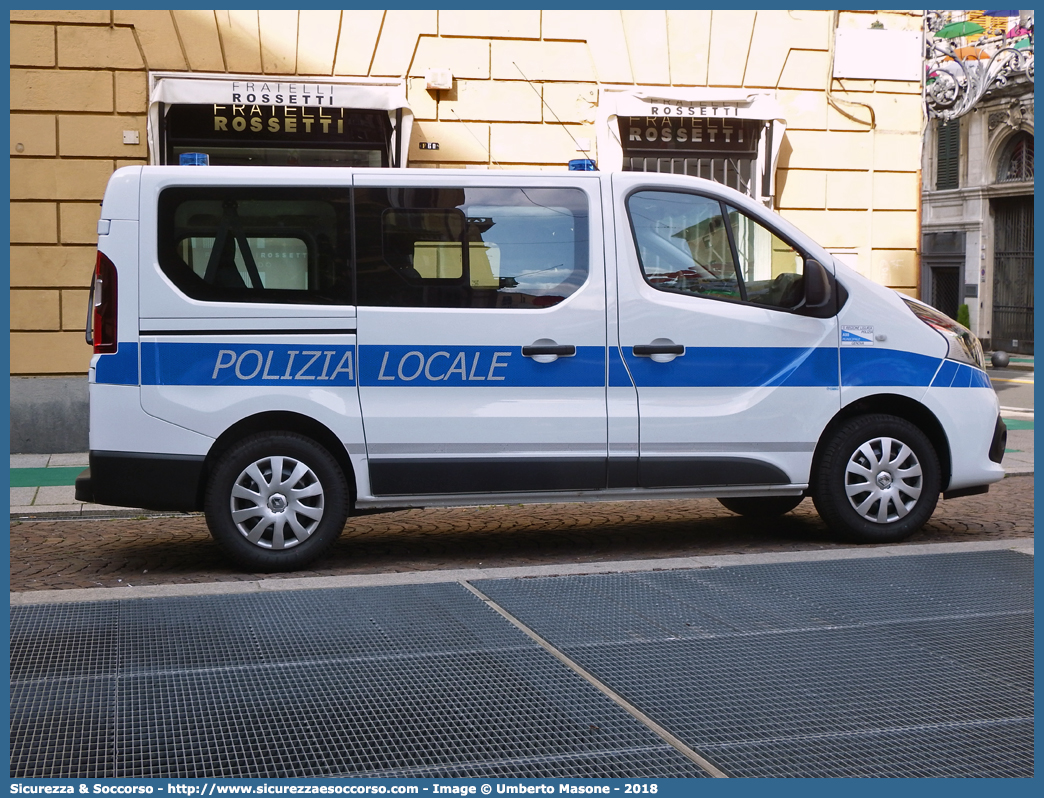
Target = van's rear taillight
(101,310)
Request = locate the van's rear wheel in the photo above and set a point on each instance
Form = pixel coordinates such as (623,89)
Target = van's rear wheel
(878,480)
(761,506)
(276,501)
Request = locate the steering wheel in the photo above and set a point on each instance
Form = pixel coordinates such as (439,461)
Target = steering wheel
(791,289)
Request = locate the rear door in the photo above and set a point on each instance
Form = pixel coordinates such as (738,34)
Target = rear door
(246,300)
(734,383)
(481,329)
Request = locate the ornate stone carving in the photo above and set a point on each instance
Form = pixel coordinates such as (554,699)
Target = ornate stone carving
(998,118)
(1010,116)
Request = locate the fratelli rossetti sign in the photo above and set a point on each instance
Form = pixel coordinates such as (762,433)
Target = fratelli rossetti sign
(275,119)
(256,121)
(253,92)
(680,132)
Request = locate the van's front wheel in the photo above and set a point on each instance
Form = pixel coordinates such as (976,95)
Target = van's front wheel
(276,501)
(877,480)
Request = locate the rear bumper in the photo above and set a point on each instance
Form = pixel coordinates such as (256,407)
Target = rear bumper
(143,479)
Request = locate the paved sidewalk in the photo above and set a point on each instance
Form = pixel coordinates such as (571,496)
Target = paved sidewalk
(42,486)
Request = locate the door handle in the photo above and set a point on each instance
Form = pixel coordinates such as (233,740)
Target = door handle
(559,350)
(648,350)
(548,350)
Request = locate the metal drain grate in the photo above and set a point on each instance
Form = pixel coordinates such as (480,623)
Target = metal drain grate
(995,750)
(900,588)
(348,718)
(62,728)
(899,666)
(316,625)
(415,679)
(1000,645)
(63,640)
(895,666)
(660,606)
(760,598)
(619,764)
(799,684)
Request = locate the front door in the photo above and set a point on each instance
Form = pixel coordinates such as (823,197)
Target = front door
(481,329)
(946,289)
(735,384)
(1013,275)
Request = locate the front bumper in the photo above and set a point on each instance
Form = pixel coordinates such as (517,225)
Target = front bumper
(1000,440)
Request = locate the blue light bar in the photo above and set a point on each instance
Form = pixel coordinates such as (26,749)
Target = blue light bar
(194,159)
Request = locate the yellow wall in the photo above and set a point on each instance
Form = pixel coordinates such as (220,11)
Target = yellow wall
(78,81)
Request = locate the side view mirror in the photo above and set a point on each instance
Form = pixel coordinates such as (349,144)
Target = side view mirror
(818,287)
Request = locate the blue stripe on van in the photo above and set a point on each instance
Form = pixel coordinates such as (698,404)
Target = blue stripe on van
(963,378)
(944,377)
(618,376)
(738,367)
(979,378)
(496,366)
(969,377)
(120,368)
(960,375)
(870,366)
(253,364)
(191,363)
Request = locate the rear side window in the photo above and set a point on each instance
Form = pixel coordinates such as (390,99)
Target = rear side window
(257,245)
(470,247)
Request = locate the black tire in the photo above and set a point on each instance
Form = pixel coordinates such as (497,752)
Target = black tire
(260,523)
(901,486)
(761,506)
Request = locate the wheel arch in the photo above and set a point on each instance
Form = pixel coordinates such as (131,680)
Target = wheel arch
(902,406)
(272,421)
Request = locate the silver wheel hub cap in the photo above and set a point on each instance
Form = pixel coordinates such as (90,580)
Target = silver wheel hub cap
(883,480)
(277,502)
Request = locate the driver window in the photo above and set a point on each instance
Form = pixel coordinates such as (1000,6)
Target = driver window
(683,244)
(771,269)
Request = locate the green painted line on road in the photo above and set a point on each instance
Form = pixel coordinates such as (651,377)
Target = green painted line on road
(44,477)
(1018,423)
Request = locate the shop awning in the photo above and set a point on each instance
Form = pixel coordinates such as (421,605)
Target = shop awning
(669,102)
(375,94)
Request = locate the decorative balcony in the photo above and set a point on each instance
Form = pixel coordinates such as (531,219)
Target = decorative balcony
(970,55)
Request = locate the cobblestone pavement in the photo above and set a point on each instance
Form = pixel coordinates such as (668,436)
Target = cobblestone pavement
(81,553)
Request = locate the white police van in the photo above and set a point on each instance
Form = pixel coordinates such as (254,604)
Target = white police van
(282,347)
